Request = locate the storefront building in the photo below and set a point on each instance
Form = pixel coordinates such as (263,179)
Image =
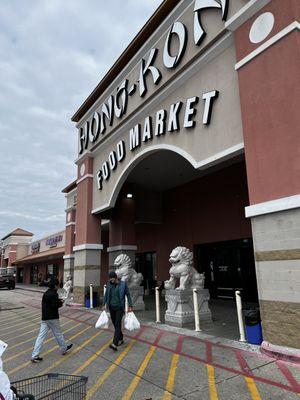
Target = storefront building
(33,262)
(14,245)
(191,139)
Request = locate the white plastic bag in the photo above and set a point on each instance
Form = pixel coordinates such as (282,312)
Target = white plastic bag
(131,322)
(102,321)
(5,391)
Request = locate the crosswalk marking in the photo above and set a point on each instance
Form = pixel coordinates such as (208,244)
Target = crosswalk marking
(106,374)
(252,389)
(211,382)
(139,374)
(76,350)
(45,342)
(47,352)
(171,378)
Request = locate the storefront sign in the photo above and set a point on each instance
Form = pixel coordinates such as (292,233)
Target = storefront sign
(116,104)
(163,122)
(52,242)
(35,247)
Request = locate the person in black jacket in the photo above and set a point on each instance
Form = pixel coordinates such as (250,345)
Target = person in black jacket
(50,320)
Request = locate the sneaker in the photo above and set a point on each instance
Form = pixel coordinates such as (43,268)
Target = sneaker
(36,359)
(67,349)
(120,342)
(113,347)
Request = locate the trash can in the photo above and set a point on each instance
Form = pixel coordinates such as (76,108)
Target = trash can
(253,326)
(87,300)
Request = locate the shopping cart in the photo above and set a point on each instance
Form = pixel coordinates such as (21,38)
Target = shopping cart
(51,387)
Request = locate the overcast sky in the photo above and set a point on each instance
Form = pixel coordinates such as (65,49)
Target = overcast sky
(52,55)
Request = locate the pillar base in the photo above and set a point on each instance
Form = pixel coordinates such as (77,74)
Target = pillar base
(87,264)
(180,311)
(137,294)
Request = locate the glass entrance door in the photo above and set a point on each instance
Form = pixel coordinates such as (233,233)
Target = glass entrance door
(146,264)
(228,266)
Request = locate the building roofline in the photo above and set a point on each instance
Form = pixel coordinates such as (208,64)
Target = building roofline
(70,187)
(142,36)
(57,251)
(15,233)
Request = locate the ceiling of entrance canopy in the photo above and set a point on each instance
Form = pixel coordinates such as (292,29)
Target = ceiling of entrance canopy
(165,169)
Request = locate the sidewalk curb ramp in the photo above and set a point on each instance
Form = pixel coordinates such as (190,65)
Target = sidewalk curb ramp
(280,352)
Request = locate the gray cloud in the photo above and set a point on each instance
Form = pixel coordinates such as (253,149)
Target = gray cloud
(52,55)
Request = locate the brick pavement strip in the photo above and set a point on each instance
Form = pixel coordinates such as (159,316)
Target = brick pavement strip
(192,368)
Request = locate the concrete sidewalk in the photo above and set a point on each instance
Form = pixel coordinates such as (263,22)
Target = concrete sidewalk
(31,287)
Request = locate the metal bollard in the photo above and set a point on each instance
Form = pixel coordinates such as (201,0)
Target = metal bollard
(126,305)
(91,296)
(240,315)
(157,304)
(196,311)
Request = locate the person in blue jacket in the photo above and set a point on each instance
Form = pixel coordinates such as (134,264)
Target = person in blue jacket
(114,299)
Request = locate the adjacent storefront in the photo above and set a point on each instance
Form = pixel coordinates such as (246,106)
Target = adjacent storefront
(41,260)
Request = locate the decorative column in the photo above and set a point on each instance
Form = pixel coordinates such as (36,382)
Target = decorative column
(12,256)
(69,243)
(87,249)
(268,57)
(122,230)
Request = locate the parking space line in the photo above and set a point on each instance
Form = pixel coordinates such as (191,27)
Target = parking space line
(21,334)
(129,392)
(252,389)
(75,351)
(15,316)
(47,352)
(211,382)
(28,340)
(92,358)
(45,342)
(223,367)
(171,377)
(106,374)
(20,324)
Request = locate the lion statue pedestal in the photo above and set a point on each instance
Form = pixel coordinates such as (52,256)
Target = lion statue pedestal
(127,273)
(180,311)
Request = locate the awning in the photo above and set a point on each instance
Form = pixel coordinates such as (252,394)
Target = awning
(43,256)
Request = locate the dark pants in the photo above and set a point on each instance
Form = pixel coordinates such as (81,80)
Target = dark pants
(116,317)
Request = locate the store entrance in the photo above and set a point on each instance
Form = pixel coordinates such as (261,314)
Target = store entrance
(34,274)
(228,266)
(146,264)
(20,275)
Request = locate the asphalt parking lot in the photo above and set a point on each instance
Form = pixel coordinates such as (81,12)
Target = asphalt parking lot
(152,364)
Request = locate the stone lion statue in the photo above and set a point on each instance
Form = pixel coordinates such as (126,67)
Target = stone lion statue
(68,286)
(182,268)
(126,272)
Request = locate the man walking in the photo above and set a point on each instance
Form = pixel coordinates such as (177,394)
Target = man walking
(50,320)
(114,298)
